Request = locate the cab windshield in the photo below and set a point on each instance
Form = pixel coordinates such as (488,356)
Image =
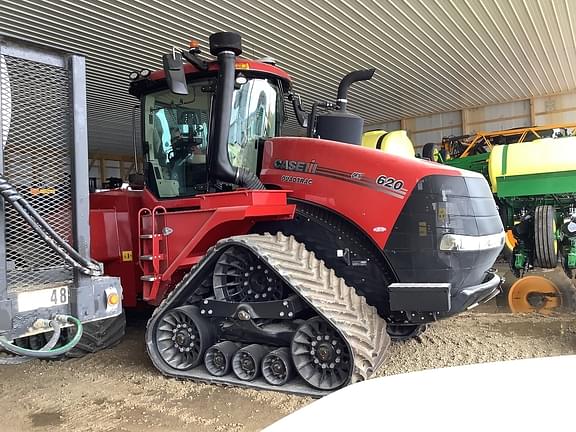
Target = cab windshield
(176,130)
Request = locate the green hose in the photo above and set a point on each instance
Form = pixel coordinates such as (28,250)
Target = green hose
(14,349)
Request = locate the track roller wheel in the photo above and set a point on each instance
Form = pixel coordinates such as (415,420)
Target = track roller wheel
(182,336)
(401,333)
(246,362)
(240,277)
(320,355)
(545,242)
(534,294)
(277,367)
(218,358)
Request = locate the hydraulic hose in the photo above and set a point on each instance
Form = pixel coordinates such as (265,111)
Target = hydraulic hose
(45,231)
(18,359)
(249,180)
(52,352)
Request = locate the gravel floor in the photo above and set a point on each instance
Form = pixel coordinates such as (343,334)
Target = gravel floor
(119,390)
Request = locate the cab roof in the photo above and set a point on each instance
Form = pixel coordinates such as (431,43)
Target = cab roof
(157,79)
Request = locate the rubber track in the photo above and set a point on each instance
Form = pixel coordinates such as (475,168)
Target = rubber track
(358,322)
(324,233)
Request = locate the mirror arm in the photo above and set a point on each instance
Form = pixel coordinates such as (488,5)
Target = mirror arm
(192,57)
(301,115)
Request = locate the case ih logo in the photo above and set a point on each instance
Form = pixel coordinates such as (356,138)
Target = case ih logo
(299,166)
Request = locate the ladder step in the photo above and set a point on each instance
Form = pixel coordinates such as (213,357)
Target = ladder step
(149,278)
(146,236)
(151,257)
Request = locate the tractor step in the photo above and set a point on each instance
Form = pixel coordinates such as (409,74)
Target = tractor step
(337,305)
(149,278)
(152,257)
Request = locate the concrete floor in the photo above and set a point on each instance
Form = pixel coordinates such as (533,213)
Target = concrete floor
(119,389)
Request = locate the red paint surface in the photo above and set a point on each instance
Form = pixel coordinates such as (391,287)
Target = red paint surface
(367,205)
(196,224)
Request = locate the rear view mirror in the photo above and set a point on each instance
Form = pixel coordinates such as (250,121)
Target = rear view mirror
(174,70)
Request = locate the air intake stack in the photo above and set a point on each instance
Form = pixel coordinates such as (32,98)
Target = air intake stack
(341,125)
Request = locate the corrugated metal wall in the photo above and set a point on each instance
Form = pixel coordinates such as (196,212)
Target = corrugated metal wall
(536,111)
(431,55)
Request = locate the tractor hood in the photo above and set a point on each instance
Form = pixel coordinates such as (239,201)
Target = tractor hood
(366,184)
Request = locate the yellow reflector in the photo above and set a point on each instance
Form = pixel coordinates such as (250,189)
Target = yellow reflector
(243,66)
(113,299)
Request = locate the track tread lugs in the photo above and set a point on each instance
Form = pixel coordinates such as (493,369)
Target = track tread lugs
(357,321)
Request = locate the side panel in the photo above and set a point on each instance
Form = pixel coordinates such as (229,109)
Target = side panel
(114,238)
(366,186)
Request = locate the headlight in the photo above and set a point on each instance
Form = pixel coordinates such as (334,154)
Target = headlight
(455,242)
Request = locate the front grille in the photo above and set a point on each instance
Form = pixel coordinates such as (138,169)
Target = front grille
(37,161)
(444,205)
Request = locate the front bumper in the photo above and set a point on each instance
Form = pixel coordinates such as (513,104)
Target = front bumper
(87,300)
(472,296)
(421,303)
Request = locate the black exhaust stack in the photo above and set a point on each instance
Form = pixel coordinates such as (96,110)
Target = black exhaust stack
(226,46)
(342,125)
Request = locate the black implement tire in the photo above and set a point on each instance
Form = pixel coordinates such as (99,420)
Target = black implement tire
(545,243)
(403,333)
(99,335)
(428,151)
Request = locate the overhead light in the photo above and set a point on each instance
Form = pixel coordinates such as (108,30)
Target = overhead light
(268,60)
(133,76)
(241,79)
(144,73)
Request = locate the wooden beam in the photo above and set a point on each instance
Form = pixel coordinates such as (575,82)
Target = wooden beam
(465,116)
(122,170)
(102,171)
(532,113)
(114,157)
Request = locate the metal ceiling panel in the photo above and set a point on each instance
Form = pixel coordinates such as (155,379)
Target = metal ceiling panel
(430,55)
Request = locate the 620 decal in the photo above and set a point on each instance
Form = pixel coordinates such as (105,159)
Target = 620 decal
(390,182)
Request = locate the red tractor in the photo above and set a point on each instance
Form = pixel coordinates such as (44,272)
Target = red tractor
(284,262)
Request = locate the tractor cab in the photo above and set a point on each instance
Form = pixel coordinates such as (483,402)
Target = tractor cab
(180,119)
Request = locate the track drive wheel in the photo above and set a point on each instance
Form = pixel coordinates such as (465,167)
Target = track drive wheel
(545,242)
(534,294)
(240,277)
(320,355)
(182,337)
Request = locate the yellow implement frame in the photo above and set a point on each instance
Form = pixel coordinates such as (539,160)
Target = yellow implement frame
(485,138)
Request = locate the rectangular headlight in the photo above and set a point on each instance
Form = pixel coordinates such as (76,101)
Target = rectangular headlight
(456,242)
